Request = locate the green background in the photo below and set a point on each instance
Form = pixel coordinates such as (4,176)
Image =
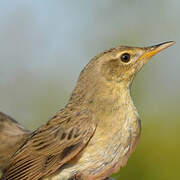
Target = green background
(45,44)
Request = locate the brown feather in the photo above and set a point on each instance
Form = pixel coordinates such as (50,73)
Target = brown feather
(49,147)
(12,137)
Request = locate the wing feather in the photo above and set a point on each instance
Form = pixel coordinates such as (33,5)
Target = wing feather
(52,145)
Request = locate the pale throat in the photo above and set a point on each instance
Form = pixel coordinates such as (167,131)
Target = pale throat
(111,95)
(112,105)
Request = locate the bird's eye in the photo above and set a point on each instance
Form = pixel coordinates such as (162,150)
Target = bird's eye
(125,57)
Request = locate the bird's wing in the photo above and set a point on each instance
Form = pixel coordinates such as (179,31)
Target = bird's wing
(12,136)
(51,146)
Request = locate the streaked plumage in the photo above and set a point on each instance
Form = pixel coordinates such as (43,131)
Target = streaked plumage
(94,135)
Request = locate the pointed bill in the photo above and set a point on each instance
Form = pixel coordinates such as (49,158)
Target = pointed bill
(152,50)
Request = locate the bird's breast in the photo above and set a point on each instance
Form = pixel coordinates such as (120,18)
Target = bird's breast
(110,147)
(114,140)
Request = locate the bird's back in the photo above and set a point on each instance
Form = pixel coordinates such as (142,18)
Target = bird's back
(12,136)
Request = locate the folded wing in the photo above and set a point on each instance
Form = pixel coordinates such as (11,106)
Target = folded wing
(52,145)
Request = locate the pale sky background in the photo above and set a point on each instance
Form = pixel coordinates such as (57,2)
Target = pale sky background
(45,44)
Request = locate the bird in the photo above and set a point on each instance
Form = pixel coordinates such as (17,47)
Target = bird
(98,129)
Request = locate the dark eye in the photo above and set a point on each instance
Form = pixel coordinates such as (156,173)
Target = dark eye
(125,57)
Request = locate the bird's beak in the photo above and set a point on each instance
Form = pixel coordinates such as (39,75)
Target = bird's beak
(152,50)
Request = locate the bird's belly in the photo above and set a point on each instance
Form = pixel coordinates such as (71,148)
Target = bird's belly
(109,161)
(102,156)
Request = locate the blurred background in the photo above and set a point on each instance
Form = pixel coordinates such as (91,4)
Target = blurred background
(45,44)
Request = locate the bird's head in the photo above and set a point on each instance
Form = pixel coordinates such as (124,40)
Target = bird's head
(122,63)
(113,69)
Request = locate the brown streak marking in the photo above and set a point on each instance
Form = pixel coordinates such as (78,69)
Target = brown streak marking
(68,150)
